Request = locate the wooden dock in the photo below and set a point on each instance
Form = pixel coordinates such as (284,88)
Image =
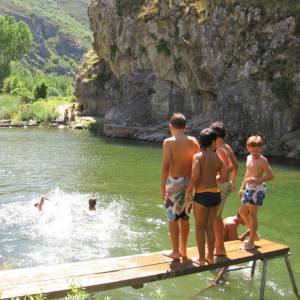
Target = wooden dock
(104,274)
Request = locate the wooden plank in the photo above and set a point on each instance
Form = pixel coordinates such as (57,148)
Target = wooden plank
(127,274)
(11,277)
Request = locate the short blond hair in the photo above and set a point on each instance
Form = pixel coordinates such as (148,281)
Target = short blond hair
(254,141)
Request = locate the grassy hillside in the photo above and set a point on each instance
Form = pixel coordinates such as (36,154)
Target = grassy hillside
(60,29)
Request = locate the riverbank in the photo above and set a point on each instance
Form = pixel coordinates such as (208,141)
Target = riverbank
(88,123)
(19,111)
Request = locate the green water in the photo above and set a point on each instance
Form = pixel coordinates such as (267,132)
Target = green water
(72,166)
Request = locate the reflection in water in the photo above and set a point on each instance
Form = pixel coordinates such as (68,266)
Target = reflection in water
(64,231)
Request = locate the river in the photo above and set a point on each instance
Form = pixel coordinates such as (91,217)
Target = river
(72,166)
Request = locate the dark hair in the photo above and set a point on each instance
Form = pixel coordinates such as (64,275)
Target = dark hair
(207,136)
(178,121)
(219,128)
(92,202)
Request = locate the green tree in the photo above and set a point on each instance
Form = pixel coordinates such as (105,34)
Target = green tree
(15,40)
(40,92)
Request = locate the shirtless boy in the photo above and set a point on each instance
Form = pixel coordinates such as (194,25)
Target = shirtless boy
(231,228)
(206,166)
(178,152)
(253,187)
(229,160)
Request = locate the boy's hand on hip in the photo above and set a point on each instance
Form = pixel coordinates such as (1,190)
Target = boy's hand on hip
(251,180)
(241,193)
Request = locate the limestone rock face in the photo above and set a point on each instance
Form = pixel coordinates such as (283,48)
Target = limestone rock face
(211,60)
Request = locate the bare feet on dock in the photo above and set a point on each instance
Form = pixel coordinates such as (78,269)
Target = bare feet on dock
(172,254)
(257,237)
(247,245)
(183,255)
(209,260)
(220,252)
(199,261)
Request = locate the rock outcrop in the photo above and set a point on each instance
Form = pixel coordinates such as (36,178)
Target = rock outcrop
(211,60)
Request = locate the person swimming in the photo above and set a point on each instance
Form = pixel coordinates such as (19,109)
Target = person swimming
(39,205)
(92,204)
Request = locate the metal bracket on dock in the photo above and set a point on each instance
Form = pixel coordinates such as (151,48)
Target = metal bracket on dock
(138,286)
(264,276)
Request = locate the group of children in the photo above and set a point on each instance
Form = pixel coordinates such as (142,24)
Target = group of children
(203,176)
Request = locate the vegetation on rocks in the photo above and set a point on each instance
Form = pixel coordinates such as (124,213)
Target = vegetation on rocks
(15,40)
(60,32)
(18,109)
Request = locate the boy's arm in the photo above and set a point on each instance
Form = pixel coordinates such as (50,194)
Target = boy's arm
(197,147)
(235,164)
(243,185)
(165,167)
(223,157)
(222,177)
(194,177)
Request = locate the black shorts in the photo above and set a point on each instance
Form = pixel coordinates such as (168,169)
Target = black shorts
(182,216)
(208,199)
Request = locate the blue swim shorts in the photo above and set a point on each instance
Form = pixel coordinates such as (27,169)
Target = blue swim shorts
(254,194)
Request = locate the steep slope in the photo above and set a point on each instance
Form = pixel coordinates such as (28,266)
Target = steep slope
(208,59)
(60,30)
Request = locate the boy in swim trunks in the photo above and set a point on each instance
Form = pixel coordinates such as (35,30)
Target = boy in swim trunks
(178,152)
(229,160)
(206,166)
(253,187)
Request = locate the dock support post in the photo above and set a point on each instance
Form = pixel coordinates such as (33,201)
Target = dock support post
(288,265)
(263,279)
(253,268)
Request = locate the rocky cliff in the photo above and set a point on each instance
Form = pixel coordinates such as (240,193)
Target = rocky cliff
(211,60)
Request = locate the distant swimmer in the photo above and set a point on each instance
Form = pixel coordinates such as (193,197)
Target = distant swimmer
(92,204)
(40,203)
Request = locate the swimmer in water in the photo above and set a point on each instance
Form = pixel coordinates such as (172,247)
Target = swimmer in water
(92,204)
(40,203)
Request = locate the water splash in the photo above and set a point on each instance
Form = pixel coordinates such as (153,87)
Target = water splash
(64,231)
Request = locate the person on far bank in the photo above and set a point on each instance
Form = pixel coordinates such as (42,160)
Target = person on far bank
(208,171)
(253,188)
(178,152)
(229,160)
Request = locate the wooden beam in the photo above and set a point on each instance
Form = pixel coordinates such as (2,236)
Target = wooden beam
(111,273)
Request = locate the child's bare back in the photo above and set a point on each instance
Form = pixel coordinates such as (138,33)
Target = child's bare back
(181,151)
(209,165)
